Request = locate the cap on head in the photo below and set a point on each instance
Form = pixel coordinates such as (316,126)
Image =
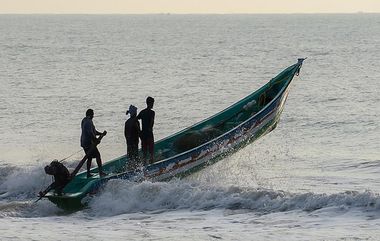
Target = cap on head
(132,110)
(90,112)
(150,101)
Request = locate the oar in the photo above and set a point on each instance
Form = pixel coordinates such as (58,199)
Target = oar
(74,173)
(43,193)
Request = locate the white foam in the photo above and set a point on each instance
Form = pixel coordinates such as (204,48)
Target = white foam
(28,209)
(21,183)
(125,197)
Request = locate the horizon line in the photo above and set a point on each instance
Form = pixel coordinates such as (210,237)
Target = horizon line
(174,13)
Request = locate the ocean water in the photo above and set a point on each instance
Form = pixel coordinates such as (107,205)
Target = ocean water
(315,177)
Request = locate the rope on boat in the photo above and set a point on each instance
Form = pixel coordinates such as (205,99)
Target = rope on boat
(70,155)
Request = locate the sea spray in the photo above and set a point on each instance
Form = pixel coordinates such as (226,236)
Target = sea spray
(29,209)
(120,196)
(22,183)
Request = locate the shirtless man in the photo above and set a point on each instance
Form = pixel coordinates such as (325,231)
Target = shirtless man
(147,139)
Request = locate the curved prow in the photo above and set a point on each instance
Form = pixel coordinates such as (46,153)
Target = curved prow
(300,62)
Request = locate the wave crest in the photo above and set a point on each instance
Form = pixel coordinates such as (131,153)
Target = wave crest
(22,183)
(120,196)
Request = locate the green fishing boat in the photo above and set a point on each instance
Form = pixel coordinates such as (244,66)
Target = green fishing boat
(194,147)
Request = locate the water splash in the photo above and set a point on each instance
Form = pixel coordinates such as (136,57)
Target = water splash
(22,183)
(125,197)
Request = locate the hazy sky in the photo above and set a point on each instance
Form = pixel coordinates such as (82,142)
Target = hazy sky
(189,6)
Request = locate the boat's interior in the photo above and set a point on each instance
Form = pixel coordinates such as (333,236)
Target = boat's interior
(218,124)
(212,127)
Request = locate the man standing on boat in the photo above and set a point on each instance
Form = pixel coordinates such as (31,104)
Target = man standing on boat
(132,133)
(147,119)
(89,142)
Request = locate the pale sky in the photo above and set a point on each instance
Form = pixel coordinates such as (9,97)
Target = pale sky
(188,6)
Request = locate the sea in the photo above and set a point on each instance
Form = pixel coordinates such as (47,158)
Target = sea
(315,177)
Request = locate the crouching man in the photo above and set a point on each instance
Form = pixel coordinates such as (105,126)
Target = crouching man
(61,177)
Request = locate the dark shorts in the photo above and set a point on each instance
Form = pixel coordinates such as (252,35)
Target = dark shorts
(147,141)
(146,135)
(91,154)
(148,145)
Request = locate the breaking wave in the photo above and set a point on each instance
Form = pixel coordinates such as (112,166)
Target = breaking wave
(19,188)
(21,183)
(120,197)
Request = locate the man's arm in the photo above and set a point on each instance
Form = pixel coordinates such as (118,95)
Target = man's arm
(139,116)
(98,133)
(125,131)
(153,118)
(50,187)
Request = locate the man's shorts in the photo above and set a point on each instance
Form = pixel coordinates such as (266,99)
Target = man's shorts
(91,152)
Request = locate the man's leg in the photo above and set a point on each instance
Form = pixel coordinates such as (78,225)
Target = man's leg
(145,151)
(132,156)
(99,162)
(135,151)
(100,167)
(151,149)
(129,151)
(89,160)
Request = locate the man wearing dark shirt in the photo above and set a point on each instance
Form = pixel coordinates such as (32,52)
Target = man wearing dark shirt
(61,177)
(147,119)
(131,133)
(89,142)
